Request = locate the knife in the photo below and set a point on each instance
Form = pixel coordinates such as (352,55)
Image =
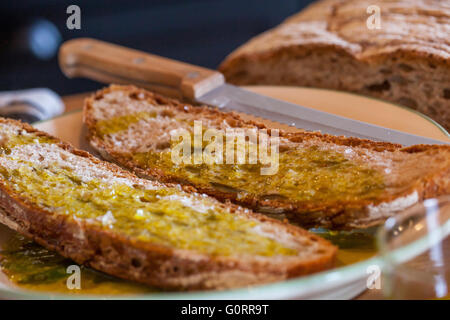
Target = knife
(110,63)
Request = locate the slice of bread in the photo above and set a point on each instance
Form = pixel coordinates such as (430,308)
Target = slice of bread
(107,218)
(329,45)
(323,180)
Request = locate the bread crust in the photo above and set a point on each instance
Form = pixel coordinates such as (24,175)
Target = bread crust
(335,215)
(328,45)
(149,263)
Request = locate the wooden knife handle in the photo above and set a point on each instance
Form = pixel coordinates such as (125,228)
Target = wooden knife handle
(110,63)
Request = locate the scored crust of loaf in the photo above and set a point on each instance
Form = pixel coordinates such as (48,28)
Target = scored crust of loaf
(328,45)
(152,264)
(429,165)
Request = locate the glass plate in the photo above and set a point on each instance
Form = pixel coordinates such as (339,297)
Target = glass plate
(340,283)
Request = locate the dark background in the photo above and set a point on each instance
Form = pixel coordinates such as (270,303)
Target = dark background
(202,32)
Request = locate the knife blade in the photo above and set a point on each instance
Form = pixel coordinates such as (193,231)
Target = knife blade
(106,62)
(232,98)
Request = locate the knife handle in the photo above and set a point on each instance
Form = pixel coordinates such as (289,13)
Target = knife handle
(110,63)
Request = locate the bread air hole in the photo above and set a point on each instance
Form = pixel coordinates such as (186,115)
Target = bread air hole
(405,67)
(170,270)
(167,113)
(162,145)
(136,263)
(379,87)
(137,95)
(447,93)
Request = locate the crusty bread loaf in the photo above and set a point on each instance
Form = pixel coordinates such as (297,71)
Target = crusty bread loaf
(323,180)
(104,217)
(328,45)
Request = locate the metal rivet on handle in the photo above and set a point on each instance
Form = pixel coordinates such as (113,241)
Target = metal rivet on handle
(138,60)
(192,75)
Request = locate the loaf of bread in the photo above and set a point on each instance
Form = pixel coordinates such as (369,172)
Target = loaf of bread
(329,45)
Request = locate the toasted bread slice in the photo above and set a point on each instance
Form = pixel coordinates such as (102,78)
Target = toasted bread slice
(107,218)
(322,180)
